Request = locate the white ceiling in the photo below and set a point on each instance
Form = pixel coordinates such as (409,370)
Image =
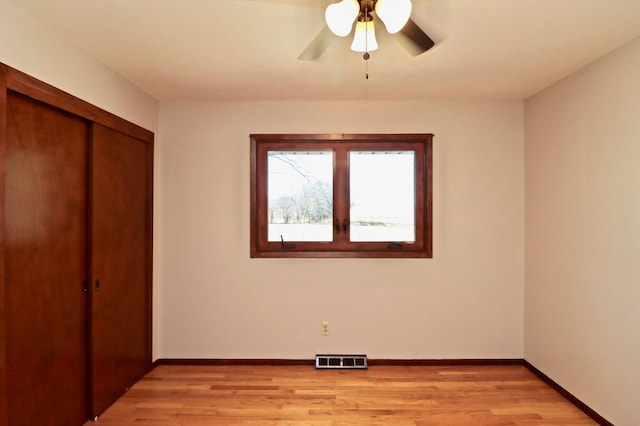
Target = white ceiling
(247,49)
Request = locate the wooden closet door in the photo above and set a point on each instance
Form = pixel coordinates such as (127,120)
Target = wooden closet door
(120,312)
(46,264)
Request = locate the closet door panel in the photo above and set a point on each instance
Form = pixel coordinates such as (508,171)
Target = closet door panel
(46,264)
(120,321)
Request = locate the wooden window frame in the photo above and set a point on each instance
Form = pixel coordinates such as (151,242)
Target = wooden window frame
(341,247)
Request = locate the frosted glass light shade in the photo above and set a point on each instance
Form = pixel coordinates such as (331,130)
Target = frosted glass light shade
(394,13)
(340,16)
(364,40)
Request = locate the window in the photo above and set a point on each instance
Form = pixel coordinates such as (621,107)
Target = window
(341,195)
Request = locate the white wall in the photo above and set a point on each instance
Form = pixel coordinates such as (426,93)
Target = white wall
(466,302)
(28,46)
(582,323)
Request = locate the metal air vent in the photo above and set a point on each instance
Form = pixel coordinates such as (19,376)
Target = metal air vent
(341,361)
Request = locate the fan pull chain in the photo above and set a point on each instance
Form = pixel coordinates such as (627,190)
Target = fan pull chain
(366,70)
(366,55)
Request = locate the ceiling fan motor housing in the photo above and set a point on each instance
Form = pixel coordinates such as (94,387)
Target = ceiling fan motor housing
(367,5)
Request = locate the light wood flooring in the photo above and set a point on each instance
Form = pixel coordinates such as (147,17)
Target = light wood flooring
(382,395)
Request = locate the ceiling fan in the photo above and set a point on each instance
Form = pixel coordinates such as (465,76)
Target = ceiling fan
(394,14)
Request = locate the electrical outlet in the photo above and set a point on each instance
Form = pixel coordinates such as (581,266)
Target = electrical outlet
(324,328)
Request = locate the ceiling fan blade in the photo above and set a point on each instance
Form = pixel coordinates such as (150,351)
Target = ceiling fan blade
(412,38)
(317,46)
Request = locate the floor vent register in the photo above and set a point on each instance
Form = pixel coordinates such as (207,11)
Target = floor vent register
(341,361)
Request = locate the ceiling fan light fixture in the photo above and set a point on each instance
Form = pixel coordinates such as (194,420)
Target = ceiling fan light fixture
(393,13)
(340,16)
(364,39)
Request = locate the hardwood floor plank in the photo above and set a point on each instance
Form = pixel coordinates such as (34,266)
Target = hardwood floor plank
(281,395)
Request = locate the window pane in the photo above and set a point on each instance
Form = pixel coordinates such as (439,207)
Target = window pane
(382,196)
(300,195)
